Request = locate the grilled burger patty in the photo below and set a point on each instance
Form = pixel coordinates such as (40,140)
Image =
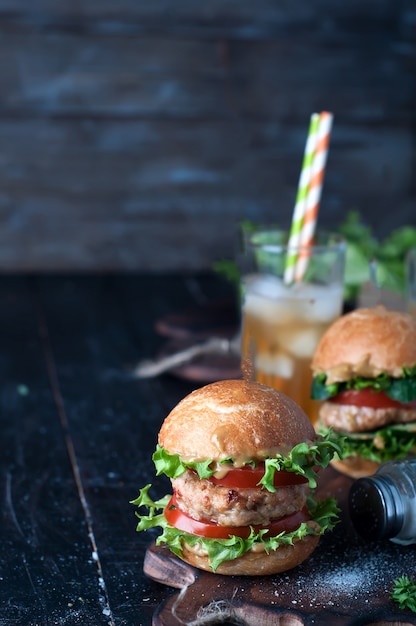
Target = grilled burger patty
(203,500)
(356,419)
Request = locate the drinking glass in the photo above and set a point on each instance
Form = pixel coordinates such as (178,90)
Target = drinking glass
(282,322)
(411,281)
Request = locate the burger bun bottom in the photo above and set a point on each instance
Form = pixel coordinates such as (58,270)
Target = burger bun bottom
(355,466)
(256,563)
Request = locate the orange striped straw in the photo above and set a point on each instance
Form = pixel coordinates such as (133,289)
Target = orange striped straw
(313,197)
(300,204)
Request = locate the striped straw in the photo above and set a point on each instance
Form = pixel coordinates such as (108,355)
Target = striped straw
(314,194)
(302,192)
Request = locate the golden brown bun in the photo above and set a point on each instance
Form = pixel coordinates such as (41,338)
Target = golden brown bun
(257,563)
(244,420)
(367,342)
(355,466)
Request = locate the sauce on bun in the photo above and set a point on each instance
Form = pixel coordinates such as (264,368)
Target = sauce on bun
(365,372)
(242,459)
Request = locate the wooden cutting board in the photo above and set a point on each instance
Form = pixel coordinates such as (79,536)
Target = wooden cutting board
(346,581)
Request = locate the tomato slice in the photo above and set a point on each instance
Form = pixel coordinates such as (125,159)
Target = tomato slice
(366,397)
(180,520)
(248,477)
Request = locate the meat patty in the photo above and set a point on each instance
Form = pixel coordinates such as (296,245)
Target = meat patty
(357,419)
(203,500)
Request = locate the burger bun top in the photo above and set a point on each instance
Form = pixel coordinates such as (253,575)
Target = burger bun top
(234,418)
(367,342)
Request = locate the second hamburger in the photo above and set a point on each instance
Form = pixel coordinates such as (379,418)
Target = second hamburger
(365,372)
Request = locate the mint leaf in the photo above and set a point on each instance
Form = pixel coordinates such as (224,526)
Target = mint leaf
(388,254)
(356,271)
(228,269)
(362,249)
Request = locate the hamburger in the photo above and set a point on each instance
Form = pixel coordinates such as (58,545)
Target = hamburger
(242,459)
(364,370)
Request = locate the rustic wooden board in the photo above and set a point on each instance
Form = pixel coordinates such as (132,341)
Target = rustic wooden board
(345,581)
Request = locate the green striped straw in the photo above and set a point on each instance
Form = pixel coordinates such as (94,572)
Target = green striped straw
(300,204)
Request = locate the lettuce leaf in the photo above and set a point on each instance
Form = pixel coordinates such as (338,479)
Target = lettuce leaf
(302,459)
(401,389)
(383,444)
(172,466)
(153,518)
(325,513)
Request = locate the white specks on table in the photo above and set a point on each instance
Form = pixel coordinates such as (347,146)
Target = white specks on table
(342,584)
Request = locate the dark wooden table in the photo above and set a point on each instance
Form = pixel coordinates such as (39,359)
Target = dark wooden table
(77,433)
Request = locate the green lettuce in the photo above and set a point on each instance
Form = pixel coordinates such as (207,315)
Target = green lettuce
(325,513)
(172,466)
(401,389)
(383,444)
(303,459)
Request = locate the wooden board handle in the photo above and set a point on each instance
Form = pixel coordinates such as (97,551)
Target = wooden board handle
(162,566)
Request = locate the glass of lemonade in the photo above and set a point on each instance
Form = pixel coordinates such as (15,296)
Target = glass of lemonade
(282,323)
(411,281)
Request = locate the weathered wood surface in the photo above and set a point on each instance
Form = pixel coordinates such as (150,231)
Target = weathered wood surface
(135,135)
(77,432)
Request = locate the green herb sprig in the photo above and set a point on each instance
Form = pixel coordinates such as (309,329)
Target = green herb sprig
(387,254)
(404,592)
(363,248)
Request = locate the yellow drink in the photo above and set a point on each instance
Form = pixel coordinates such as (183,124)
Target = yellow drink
(411,281)
(411,307)
(281,329)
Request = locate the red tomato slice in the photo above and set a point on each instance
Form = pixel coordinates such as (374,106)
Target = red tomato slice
(366,397)
(180,520)
(248,478)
